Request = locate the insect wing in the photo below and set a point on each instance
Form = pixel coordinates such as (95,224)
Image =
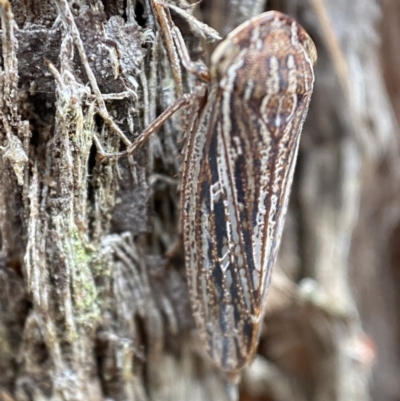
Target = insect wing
(239,168)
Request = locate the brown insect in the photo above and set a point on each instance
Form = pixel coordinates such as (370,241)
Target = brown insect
(237,175)
(239,160)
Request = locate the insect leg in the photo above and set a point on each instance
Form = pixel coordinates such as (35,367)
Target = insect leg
(170,30)
(181,103)
(196,68)
(165,22)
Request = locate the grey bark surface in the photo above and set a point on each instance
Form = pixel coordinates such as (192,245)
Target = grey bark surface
(89,307)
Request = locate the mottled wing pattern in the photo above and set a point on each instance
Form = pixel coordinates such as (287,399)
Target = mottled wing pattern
(239,166)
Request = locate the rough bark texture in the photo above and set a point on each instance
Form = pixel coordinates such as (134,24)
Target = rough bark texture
(90,310)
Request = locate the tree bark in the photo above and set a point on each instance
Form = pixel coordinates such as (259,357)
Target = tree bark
(90,307)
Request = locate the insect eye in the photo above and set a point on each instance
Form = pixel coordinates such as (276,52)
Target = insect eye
(223,57)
